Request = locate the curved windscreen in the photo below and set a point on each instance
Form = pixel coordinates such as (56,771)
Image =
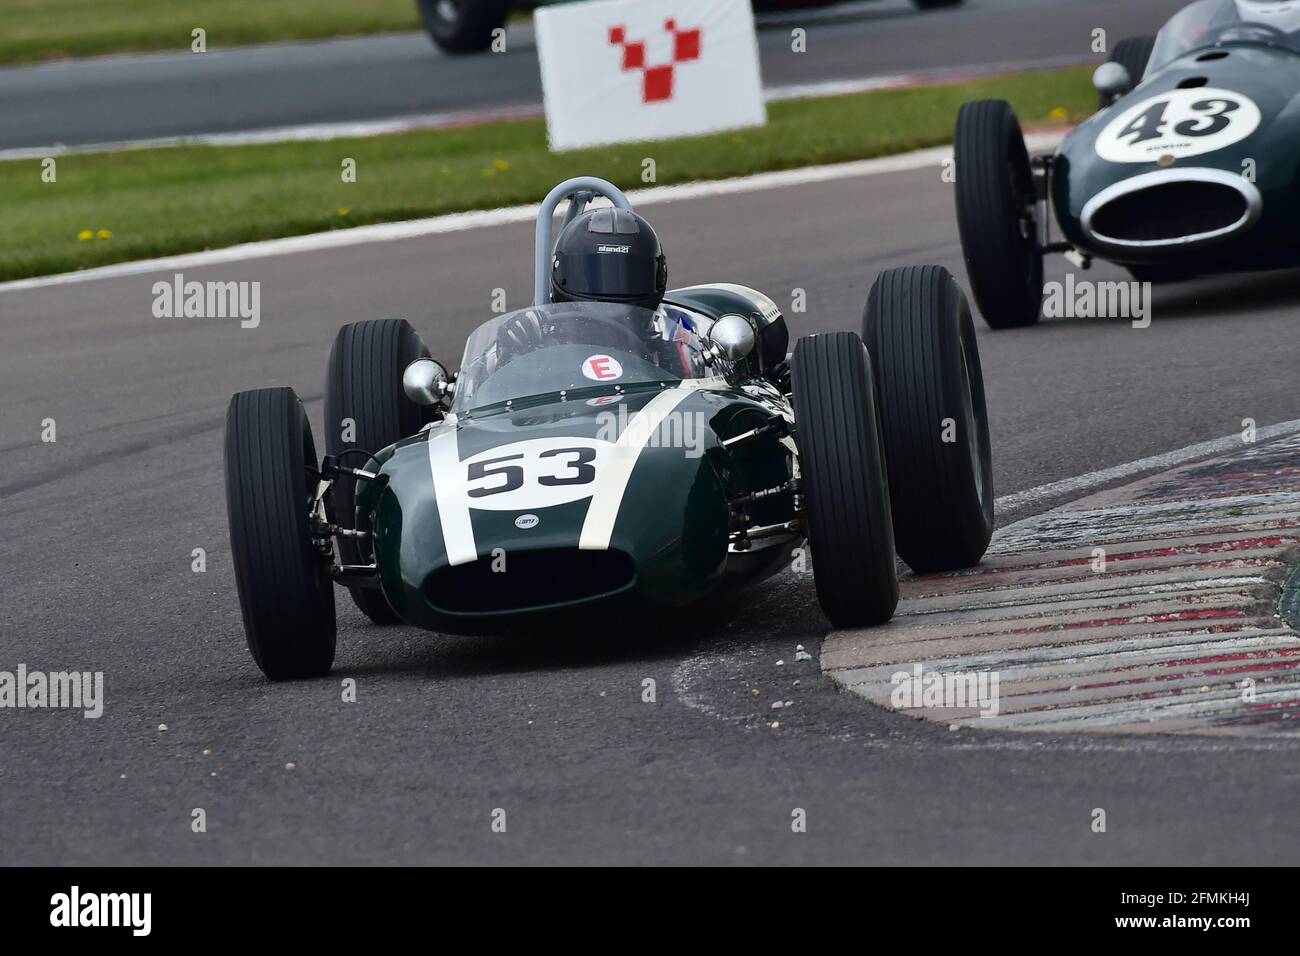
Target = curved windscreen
(575,347)
(1207,22)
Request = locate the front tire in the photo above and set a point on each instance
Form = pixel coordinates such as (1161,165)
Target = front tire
(844,483)
(286,594)
(921,339)
(463,26)
(365,402)
(996,203)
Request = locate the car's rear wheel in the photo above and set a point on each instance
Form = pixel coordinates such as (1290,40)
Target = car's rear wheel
(921,339)
(463,26)
(285,590)
(366,409)
(996,215)
(1132,53)
(844,483)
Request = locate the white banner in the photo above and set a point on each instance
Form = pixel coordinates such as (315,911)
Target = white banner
(617,71)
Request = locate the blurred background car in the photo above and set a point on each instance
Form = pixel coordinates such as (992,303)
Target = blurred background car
(465,26)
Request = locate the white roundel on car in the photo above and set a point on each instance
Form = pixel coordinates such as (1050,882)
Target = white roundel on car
(1178,124)
(526,475)
(602,368)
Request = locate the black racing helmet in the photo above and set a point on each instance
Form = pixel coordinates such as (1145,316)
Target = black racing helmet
(609,255)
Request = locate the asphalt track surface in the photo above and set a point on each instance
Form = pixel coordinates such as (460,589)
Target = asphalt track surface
(121,98)
(100,527)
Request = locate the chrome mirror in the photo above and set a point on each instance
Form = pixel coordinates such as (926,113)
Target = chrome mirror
(426,382)
(1112,80)
(731,338)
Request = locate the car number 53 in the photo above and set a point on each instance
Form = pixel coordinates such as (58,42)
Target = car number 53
(537,473)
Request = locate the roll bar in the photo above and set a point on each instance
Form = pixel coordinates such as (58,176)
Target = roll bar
(583,189)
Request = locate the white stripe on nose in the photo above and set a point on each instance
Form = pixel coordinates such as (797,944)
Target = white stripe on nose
(603,511)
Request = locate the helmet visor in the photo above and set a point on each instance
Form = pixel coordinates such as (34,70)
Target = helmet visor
(613,271)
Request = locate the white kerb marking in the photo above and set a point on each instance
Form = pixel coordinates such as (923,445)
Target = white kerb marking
(1171,459)
(509,215)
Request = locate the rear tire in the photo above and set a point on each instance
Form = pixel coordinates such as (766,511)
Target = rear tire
(1132,53)
(921,339)
(845,487)
(286,594)
(363,383)
(996,203)
(463,26)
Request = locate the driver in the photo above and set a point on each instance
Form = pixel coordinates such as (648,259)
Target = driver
(614,255)
(1217,19)
(607,255)
(1284,15)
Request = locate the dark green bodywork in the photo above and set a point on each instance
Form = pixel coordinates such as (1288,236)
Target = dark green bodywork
(1268,76)
(669,543)
(715,301)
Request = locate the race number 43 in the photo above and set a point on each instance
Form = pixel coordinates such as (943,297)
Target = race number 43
(1179,123)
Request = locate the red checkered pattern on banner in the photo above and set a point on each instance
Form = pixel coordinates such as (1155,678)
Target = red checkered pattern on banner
(657,81)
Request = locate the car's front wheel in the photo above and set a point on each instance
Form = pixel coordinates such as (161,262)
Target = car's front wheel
(463,26)
(843,480)
(996,214)
(285,590)
(919,332)
(366,409)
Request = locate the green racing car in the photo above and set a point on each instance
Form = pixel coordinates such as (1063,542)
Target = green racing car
(617,448)
(1187,170)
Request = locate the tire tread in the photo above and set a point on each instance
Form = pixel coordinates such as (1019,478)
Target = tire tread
(844,479)
(286,598)
(914,325)
(1006,276)
(363,382)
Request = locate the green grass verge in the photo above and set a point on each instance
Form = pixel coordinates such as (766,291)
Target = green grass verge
(43,29)
(163,201)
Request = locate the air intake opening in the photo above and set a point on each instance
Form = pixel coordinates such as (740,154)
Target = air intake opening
(533,579)
(1192,82)
(1170,211)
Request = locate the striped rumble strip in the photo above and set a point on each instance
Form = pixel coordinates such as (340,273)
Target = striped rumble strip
(1159,607)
